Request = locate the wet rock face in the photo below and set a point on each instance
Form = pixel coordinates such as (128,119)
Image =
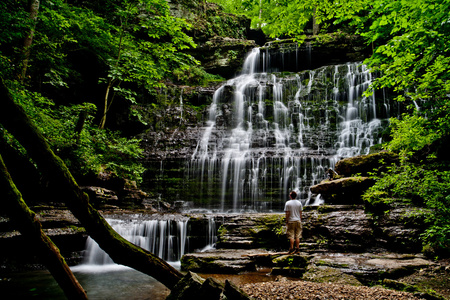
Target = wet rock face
(330,227)
(245,231)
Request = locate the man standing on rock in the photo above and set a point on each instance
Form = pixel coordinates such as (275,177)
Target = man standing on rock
(293,210)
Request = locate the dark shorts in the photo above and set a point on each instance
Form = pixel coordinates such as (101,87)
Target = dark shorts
(294,230)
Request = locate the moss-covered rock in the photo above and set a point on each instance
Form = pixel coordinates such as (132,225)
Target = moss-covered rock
(346,190)
(298,261)
(330,275)
(365,164)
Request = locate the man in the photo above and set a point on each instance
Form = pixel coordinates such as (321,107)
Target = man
(293,209)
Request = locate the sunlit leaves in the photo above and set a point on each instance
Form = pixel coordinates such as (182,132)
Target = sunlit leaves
(410,134)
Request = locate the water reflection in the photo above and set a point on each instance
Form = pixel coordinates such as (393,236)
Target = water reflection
(113,282)
(117,282)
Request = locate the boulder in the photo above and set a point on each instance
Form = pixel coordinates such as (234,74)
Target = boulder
(290,265)
(193,287)
(346,190)
(364,164)
(224,261)
(101,197)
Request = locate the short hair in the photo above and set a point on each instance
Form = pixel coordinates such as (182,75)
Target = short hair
(293,194)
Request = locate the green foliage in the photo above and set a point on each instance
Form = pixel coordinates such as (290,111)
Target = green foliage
(279,18)
(135,45)
(90,151)
(193,75)
(426,186)
(410,134)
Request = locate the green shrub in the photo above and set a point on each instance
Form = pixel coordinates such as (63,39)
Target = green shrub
(88,150)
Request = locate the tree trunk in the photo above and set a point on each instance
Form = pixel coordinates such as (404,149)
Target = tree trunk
(119,249)
(315,26)
(105,107)
(31,228)
(34,9)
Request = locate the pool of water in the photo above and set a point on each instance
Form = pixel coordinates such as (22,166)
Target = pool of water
(105,282)
(115,282)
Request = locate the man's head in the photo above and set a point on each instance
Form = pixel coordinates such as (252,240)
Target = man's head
(293,195)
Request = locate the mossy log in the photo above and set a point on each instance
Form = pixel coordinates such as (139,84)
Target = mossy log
(31,228)
(14,119)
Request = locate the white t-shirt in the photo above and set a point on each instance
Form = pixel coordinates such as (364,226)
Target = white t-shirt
(295,207)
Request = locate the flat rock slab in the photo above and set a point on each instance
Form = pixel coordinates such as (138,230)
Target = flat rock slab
(362,265)
(225,261)
(370,265)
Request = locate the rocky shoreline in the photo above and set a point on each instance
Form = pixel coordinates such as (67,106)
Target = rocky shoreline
(339,252)
(329,272)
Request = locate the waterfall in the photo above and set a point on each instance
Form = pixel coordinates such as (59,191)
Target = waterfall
(270,133)
(211,237)
(165,238)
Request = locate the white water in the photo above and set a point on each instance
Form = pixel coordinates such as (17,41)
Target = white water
(164,238)
(282,132)
(167,239)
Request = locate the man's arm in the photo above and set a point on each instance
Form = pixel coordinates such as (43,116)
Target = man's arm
(288,213)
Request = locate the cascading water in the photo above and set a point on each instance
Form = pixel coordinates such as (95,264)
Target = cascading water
(165,238)
(269,133)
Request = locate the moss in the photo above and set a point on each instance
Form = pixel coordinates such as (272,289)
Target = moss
(297,261)
(330,275)
(222,232)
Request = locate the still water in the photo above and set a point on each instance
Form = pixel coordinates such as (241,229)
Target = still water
(113,282)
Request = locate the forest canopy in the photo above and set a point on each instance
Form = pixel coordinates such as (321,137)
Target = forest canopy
(69,62)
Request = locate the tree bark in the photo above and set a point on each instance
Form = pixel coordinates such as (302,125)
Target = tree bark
(34,9)
(31,228)
(315,26)
(119,249)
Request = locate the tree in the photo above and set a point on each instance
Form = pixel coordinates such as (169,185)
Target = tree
(136,44)
(280,18)
(412,55)
(13,118)
(31,228)
(34,9)
(145,59)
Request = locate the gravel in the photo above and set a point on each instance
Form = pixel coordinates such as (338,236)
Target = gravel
(311,291)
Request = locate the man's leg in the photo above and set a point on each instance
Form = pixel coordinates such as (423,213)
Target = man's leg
(298,234)
(291,244)
(291,236)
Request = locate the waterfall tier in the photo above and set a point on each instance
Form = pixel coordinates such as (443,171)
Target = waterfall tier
(270,133)
(168,237)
